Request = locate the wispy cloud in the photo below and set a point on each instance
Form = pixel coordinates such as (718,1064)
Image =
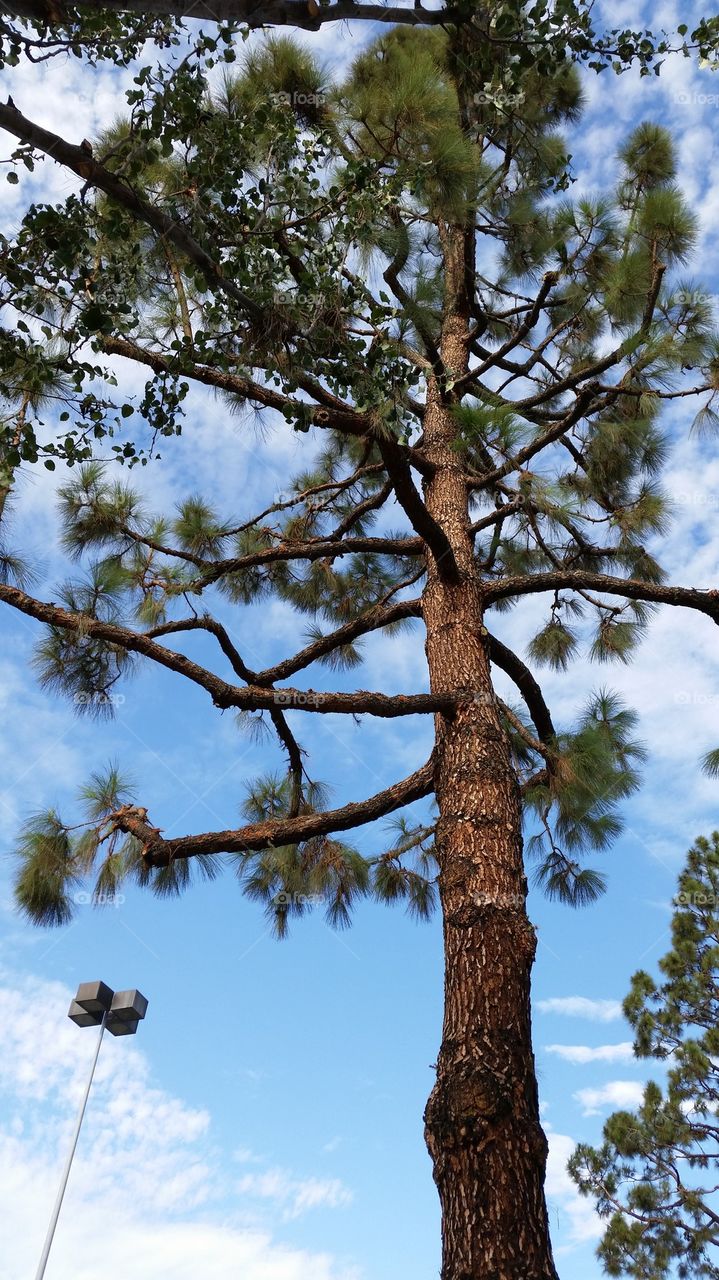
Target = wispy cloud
(295,1196)
(148,1194)
(582,1007)
(581,1053)
(617,1093)
(576,1217)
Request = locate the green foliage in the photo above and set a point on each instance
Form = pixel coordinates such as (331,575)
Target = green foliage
(329,208)
(406,111)
(16,572)
(77,664)
(94,510)
(563,879)
(649,158)
(494,425)
(197,528)
(664,220)
(55,860)
(615,640)
(710,763)
(326,873)
(288,74)
(105,792)
(415,885)
(575,806)
(47,870)
(343,657)
(554,645)
(653,1178)
(171,881)
(706,422)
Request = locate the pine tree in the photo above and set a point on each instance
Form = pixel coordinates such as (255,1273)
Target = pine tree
(393,266)
(654,1177)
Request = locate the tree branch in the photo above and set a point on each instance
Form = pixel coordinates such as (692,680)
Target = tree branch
(225,695)
(215,628)
(335,414)
(416,511)
(294,753)
(309,551)
(613,358)
(81,162)
(558,429)
(495,517)
(293,13)
(280,831)
(520,674)
(526,325)
(631,588)
(373,619)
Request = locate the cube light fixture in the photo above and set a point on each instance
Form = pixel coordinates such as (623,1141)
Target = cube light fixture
(96,1003)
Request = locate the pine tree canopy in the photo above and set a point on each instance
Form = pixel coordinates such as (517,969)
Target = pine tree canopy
(654,1177)
(315,249)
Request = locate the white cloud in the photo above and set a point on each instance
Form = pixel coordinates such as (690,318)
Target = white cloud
(617,1093)
(295,1195)
(575,1217)
(112,1247)
(148,1193)
(580,1053)
(582,1007)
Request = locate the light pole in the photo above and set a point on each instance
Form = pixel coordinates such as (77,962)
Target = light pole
(119,1012)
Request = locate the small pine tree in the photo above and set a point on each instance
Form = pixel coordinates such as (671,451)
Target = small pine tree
(655,1175)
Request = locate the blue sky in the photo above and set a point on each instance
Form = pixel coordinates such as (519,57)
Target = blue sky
(267,1120)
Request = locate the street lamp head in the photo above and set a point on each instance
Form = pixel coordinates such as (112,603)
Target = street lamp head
(81,1017)
(122,1010)
(93,999)
(127,1009)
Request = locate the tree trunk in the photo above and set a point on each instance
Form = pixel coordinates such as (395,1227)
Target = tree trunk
(482,1119)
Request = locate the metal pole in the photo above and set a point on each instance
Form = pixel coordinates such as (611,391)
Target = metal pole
(66,1172)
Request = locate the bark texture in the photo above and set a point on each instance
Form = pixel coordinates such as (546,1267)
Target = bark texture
(482,1119)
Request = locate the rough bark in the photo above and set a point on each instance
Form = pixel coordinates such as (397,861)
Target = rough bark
(482,1118)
